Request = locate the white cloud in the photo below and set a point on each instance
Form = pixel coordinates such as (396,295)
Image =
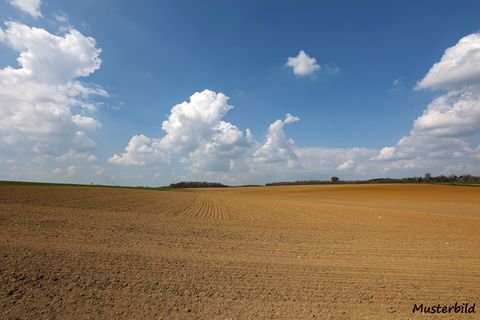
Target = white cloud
(197,134)
(385,153)
(39,98)
(442,131)
(458,67)
(47,58)
(194,129)
(139,150)
(32,7)
(277,147)
(86,123)
(455,114)
(347,165)
(447,131)
(303,64)
(192,123)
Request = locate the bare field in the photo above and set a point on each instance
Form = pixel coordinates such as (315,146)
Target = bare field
(301,252)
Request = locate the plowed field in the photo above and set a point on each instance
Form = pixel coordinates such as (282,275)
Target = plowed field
(302,252)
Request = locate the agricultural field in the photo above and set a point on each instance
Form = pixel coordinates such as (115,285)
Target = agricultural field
(292,252)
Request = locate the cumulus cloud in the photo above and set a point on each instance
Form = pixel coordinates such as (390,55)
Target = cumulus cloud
(386,153)
(347,165)
(196,133)
(32,7)
(447,128)
(455,114)
(277,147)
(192,123)
(43,105)
(47,58)
(459,66)
(195,129)
(139,151)
(303,64)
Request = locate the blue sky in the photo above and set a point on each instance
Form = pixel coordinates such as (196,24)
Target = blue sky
(359,102)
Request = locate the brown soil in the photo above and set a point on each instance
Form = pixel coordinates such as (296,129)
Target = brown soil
(302,252)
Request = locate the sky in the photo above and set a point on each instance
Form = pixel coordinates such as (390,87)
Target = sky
(238,92)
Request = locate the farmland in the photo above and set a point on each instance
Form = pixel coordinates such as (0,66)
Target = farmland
(290,252)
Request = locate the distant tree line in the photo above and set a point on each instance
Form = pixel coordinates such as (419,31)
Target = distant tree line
(197,184)
(303,182)
(467,178)
(428,178)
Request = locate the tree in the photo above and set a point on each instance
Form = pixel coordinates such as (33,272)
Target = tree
(334,179)
(428,177)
